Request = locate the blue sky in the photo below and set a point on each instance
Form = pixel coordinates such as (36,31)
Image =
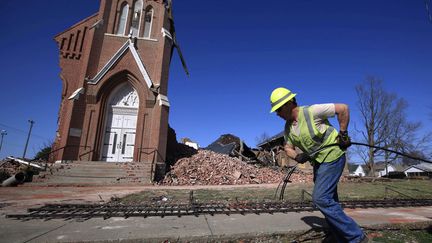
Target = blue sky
(237,53)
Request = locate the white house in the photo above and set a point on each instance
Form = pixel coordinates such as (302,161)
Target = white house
(380,169)
(192,144)
(380,172)
(357,170)
(383,169)
(422,169)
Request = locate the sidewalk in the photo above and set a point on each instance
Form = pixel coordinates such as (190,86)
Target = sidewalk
(158,229)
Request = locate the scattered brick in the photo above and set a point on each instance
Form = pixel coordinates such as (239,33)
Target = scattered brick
(210,168)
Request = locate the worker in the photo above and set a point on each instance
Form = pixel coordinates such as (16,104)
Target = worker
(308,128)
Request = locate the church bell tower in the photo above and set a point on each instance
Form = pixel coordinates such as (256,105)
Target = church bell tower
(114,70)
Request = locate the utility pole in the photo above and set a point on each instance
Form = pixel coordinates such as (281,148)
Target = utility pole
(28,137)
(3,133)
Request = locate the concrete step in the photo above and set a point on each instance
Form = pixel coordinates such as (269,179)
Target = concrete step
(83,182)
(63,179)
(103,165)
(94,173)
(96,170)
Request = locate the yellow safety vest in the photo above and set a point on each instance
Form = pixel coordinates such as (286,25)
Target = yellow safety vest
(311,139)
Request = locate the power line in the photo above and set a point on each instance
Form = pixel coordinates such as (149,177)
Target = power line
(13,128)
(24,132)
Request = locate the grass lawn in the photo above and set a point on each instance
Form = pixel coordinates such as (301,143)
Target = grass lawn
(347,191)
(402,236)
(384,236)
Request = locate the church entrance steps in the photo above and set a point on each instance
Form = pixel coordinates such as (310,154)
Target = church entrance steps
(94,173)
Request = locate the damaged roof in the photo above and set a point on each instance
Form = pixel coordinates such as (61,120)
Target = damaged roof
(277,139)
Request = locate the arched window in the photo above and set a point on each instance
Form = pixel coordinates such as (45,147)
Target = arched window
(136,18)
(148,20)
(123,19)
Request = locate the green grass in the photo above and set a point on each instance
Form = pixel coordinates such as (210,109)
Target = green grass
(347,191)
(377,190)
(384,236)
(402,236)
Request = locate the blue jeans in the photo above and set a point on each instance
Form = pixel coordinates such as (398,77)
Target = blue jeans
(325,198)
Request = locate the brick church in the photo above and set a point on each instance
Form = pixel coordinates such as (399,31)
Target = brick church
(114,70)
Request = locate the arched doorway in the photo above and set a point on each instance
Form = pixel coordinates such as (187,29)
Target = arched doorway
(120,126)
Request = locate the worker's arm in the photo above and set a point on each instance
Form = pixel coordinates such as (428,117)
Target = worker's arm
(290,150)
(299,157)
(342,112)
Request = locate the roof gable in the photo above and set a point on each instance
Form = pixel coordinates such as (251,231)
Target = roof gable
(128,45)
(352,167)
(422,166)
(272,140)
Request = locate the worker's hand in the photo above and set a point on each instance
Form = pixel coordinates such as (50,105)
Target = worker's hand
(344,140)
(302,158)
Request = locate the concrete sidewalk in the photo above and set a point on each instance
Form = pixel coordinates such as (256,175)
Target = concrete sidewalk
(157,229)
(191,228)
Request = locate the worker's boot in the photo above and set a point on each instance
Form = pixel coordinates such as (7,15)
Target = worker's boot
(365,239)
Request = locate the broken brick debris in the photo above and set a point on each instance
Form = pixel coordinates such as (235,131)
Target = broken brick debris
(8,168)
(211,168)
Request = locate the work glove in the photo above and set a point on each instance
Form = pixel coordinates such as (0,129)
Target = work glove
(302,158)
(344,140)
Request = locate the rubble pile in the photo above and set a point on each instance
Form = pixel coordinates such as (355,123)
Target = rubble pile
(210,168)
(11,166)
(8,168)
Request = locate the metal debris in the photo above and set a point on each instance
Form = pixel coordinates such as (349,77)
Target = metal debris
(87,211)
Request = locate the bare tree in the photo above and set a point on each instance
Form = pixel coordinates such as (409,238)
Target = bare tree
(373,105)
(384,124)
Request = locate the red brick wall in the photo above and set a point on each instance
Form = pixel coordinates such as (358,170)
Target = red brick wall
(84,50)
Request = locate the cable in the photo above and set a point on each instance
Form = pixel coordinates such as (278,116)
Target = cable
(285,182)
(25,132)
(371,146)
(392,151)
(290,172)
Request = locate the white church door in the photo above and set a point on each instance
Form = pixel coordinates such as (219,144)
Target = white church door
(120,128)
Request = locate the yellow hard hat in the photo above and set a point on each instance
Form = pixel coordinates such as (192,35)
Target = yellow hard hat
(279,97)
